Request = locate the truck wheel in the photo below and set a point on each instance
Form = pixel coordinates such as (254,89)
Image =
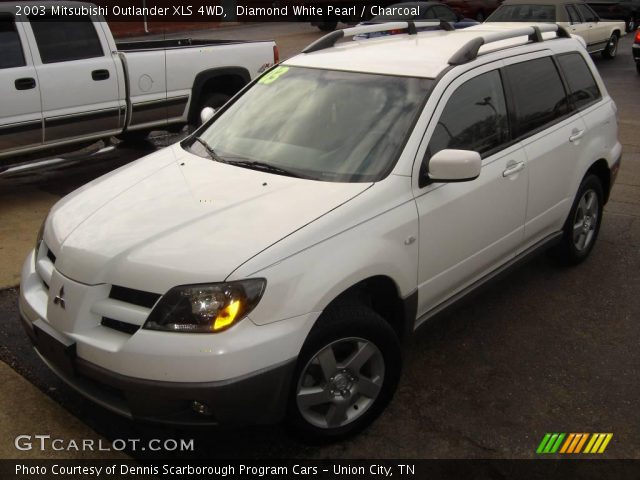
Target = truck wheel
(327,26)
(611,48)
(347,373)
(638,67)
(630,24)
(583,224)
(213,100)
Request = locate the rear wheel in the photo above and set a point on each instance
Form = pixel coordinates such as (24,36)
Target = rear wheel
(638,67)
(213,100)
(347,373)
(612,47)
(583,224)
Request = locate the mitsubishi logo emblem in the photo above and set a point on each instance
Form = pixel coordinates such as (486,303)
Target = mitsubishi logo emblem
(59,300)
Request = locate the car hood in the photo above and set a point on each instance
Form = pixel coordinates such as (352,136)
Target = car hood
(175,218)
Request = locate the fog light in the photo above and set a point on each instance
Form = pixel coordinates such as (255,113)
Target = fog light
(201,408)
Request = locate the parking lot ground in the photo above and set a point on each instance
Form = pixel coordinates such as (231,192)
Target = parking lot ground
(546,349)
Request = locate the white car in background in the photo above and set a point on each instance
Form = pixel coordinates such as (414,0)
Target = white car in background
(272,264)
(575,16)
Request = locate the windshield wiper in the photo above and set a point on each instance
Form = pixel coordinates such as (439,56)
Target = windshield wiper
(212,153)
(266,167)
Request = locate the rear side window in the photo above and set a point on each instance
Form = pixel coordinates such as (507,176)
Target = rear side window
(475,117)
(538,94)
(588,14)
(10,45)
(583,89)
(63,41)
(573,14)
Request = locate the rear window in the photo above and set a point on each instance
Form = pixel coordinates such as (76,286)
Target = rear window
(583,89)
(524,13)
(63,41)
(10,45)
(538,94)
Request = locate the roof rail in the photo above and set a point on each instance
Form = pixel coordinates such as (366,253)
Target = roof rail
(469,51)
(330,39)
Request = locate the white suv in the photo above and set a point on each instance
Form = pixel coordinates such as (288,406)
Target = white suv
(272,264)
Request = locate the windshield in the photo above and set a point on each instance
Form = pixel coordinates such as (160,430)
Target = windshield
(318,124)
(524,13)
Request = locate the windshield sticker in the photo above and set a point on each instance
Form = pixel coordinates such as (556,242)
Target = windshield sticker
(273,75)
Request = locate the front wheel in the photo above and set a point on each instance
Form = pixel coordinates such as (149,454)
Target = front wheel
(583,224)
(611,48)
(347,373)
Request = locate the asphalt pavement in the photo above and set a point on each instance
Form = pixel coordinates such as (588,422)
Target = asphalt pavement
(546,349)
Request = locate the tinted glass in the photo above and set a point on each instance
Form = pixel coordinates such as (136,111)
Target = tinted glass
(62,41)
(538,93)
(573,14)
(582,86)
(475,117)
(446,14)
(320,124)
(10,47)
(587,13)
(524,13)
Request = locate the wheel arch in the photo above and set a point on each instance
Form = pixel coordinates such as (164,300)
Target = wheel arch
(600,169)
(382,295)
(227,80)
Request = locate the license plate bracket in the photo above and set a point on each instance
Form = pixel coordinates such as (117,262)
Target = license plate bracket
(56,347)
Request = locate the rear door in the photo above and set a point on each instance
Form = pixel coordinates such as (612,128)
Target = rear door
(78,78)
(20,112)
(552,134)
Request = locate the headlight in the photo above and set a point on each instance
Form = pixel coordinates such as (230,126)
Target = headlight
(208,308)
(40,236)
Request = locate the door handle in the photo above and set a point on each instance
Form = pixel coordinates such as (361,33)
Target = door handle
(513,168)
(98,75)
(25,83)
(576,135)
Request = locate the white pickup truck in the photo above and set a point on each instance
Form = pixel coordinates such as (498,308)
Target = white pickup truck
(66,81)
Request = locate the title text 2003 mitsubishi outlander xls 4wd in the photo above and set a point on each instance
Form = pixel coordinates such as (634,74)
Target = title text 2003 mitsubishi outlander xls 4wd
(271,265)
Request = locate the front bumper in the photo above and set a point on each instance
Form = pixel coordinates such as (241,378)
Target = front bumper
(260,398)
(241,376)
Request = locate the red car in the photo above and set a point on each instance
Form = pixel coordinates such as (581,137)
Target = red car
(478,9)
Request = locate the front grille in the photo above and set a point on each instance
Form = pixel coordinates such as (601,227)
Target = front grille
(136,297)
(119,325)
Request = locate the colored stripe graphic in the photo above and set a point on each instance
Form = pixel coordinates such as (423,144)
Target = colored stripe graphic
(555,443)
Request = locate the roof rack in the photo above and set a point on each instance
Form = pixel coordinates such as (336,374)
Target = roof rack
(469,51)
(330,39)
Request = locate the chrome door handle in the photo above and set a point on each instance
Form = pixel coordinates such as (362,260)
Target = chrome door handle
(576,135)
(513,168)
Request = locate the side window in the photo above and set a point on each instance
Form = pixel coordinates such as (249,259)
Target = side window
(474,118)
(573,14)
(10,45)
(538,94)
(586,13)
(63,41)
(446,14)
(583,89)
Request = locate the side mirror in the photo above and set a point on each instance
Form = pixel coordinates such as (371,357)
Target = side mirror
(206,113)
(454,166)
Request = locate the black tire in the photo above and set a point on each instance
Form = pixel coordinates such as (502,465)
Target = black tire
(630,24)
(327,26)
(213,100)
(638,67)
(568,252)
(339,329)
(611,49)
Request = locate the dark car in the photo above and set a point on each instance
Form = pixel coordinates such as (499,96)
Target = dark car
(418,12)
(478,9)
(626,10)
